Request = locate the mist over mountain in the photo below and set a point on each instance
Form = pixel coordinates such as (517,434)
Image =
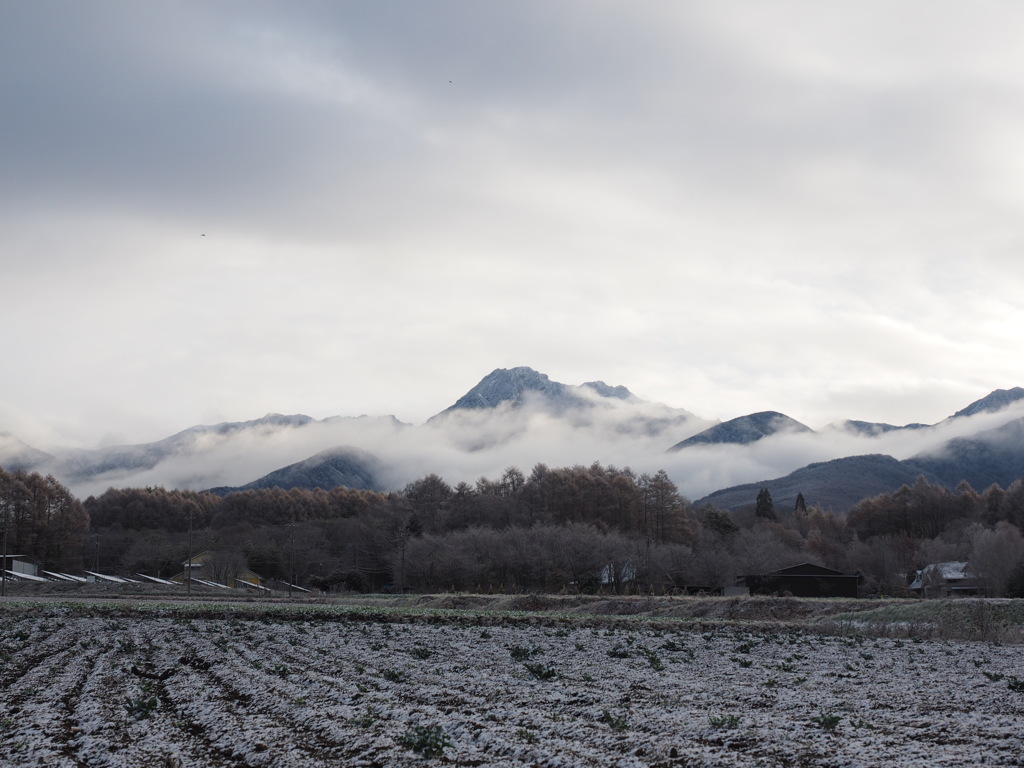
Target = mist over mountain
(16,454)
(992,456)
(519,417)
(510,405)
(78,465)
(230,454)
(871,428)
(834,485)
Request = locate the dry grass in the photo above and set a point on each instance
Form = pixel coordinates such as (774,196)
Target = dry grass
(964,619)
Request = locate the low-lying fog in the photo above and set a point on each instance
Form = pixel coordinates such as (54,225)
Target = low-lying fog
(465,445)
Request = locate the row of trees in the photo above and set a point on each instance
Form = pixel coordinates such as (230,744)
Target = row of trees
(586,528)
(925,510)
(370,540)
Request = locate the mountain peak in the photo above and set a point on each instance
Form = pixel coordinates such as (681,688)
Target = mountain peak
(606,390)
(508,385)
(514,385)
(995,400)
(744,429)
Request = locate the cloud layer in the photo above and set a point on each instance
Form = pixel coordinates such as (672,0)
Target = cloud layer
(466,445)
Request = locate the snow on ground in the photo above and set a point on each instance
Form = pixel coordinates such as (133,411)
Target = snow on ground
(160,692)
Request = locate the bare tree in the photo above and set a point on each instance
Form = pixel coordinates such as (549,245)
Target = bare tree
(763,549)
(995,554)
(713,564)
(154,554)
(225,565)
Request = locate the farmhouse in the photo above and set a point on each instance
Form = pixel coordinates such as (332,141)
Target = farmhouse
(952,579)
(804,580)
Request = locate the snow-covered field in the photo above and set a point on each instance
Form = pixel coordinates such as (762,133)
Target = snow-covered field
(160,691)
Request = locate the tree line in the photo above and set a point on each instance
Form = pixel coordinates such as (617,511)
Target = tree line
(585,528)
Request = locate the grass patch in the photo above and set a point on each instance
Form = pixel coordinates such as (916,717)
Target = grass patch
(541,671)
(827,721)
(724,722)
(963,619)
(613,721)
(427,740)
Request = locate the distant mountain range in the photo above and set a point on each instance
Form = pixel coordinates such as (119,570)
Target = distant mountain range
(198,455)
(81,464)
(519,412)
(993,456)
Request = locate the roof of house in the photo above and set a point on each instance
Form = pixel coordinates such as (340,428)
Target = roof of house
(948,571)
(196,556)
(807,569)
(951,570)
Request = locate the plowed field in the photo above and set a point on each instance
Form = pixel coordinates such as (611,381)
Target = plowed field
(159,690)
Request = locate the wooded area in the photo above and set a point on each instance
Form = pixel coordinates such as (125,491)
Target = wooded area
(573,528)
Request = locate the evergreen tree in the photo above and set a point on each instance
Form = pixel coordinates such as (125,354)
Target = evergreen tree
(719,521)
(765,507)
(801,506)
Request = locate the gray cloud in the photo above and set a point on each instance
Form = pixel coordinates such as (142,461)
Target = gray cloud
(727,207)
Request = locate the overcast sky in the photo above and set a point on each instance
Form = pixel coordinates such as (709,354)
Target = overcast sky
(213,210)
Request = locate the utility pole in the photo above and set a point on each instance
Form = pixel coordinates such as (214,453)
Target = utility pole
(403,538)
(188,571)
(3,567)
(291,557)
